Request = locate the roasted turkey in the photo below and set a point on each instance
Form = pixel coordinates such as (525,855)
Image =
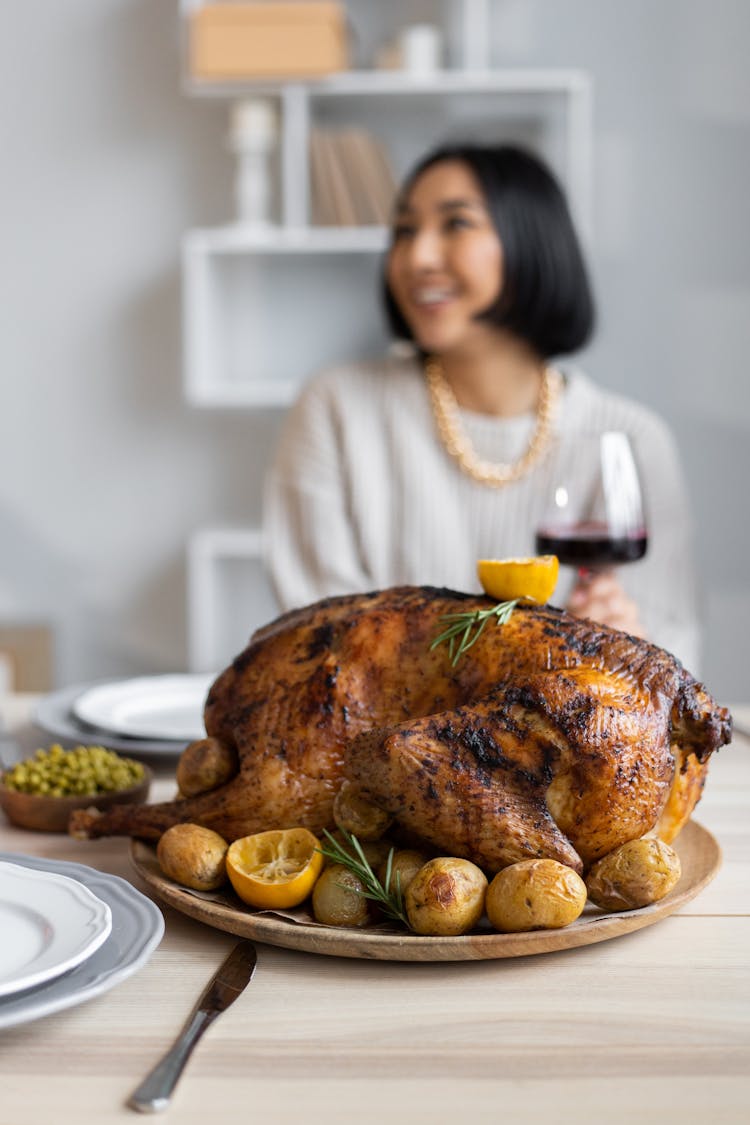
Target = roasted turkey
(551,736)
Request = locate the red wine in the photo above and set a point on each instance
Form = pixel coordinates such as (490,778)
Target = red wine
(588,544)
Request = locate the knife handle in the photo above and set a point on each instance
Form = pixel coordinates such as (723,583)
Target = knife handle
(153,1094)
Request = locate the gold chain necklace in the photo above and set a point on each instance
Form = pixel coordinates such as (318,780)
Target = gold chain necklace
(457,444)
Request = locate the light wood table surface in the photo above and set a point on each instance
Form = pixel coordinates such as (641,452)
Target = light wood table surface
(651,1027)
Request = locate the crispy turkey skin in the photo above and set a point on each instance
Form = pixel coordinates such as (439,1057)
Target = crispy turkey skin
(552,736)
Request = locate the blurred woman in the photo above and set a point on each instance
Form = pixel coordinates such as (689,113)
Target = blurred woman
(409,468)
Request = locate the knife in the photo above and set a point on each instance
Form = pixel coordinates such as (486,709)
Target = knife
(153,1094)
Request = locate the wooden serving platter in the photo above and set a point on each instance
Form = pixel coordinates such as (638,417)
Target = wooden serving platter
(699,853)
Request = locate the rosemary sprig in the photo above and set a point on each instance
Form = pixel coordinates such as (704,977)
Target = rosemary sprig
(390,899)
(464,629)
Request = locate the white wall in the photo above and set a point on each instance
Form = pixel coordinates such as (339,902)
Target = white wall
(104,471)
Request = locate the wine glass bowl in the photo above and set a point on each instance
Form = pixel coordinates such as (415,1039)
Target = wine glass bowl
(595,517)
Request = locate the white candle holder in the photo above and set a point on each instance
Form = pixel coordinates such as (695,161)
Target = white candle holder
(253,133)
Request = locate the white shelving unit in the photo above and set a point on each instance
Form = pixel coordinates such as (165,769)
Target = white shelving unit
(243,287)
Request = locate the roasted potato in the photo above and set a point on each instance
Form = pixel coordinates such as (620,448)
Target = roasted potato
(634,875)
(535,894)
(355,814)
(405,864)
(337,899)
(193,856)
(445,897)
(204,765)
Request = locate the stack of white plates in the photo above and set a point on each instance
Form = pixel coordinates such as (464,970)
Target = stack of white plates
(154,715)
(68,933)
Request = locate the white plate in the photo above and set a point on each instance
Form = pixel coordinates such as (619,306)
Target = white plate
(49,924)
(137,929)
(148,707)
(52,714)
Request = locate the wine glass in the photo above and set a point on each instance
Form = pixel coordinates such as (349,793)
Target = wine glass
(594,518)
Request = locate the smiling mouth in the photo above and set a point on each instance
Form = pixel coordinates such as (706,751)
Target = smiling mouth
(432,297)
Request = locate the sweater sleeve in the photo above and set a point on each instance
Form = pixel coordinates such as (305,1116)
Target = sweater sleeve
(310,540)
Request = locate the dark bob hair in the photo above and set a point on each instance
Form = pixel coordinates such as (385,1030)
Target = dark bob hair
(546,297)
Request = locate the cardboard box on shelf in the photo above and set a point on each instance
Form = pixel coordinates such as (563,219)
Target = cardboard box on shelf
(272,40)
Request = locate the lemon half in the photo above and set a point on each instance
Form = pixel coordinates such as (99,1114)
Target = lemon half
(276,869)
(533,578)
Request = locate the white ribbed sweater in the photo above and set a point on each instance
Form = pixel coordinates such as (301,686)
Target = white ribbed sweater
(362,495)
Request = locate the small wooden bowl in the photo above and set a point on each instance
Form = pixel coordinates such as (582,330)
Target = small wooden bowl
(41,813)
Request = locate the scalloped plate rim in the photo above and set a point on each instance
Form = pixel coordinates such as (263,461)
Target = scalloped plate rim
(69,921)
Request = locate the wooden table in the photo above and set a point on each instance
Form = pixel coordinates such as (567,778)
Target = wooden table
(652,1027)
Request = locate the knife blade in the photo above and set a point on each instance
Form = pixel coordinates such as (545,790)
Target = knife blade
(230,979)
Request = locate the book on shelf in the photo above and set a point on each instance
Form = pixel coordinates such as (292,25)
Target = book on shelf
(322,211)
(351,179)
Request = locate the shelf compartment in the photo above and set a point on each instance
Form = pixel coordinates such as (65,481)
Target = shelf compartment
(547,109)
(464,24)
(250,301)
